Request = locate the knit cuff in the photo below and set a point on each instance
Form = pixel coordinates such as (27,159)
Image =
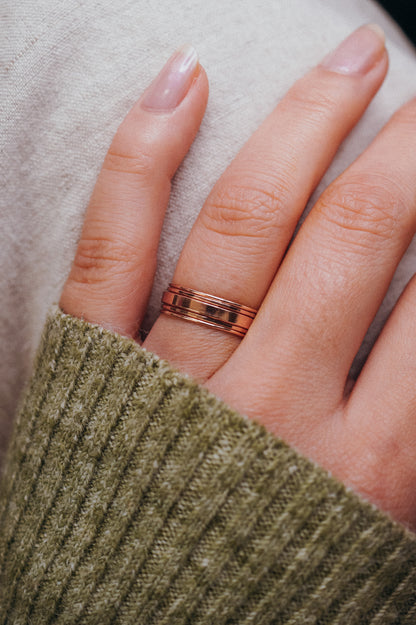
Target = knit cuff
(133,495)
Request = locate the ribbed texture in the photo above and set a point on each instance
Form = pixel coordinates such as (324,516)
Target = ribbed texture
(131,495)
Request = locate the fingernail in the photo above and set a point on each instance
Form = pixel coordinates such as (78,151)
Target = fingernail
(172,83)
(358,53)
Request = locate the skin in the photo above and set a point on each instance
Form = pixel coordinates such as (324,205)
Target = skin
(315,302)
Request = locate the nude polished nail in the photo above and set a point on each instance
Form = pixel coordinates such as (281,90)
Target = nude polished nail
(172,83)
(358,53)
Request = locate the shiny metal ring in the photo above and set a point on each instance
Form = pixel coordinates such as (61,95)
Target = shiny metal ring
(206,309)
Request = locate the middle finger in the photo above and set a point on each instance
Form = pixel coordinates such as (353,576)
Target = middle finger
(243,230)
(332,281)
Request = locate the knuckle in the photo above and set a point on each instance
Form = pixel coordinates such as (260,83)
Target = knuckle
(366,210)
(98,260)
(140,164)
(313,102)
(239,210)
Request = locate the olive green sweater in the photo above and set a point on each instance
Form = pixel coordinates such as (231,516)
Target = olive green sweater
(132,495)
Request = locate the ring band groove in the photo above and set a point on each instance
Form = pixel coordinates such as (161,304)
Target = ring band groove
(210,310)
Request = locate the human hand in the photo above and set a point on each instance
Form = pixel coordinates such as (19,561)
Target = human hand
(290,372)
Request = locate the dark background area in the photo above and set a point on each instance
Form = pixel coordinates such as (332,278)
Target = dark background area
(403,11)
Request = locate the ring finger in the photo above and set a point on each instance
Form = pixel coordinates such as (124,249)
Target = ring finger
(246,224)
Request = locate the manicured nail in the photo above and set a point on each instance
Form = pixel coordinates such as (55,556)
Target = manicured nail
(358,53)
(172,83)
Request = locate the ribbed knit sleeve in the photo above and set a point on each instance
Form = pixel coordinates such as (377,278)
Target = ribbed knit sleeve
(131,495)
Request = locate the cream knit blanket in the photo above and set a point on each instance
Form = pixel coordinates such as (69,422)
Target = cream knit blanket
(71,71)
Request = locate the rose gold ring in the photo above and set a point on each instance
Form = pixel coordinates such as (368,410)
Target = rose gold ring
(207,309)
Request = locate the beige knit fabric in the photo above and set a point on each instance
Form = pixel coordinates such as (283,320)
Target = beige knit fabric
(71,71)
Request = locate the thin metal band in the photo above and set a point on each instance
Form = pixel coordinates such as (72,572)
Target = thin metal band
(207,309)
